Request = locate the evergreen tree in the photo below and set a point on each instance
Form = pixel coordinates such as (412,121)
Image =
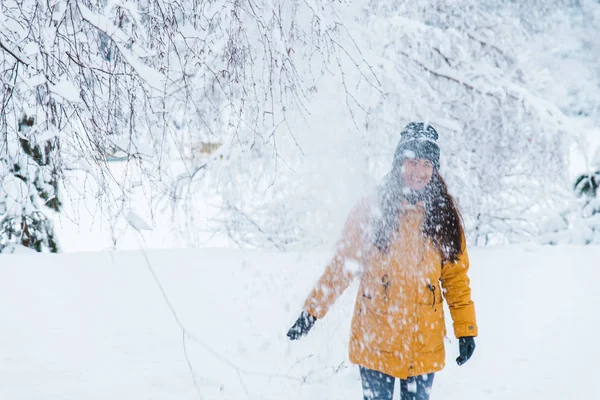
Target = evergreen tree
(30,191)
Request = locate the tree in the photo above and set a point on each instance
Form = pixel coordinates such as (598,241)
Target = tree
(30,187)
(463,67)
(152,78)
(504,147)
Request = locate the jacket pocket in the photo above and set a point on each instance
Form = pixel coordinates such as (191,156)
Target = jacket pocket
(431,295)
(378,330)
(431,327)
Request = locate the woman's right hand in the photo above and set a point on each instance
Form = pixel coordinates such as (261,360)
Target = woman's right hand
(303,324)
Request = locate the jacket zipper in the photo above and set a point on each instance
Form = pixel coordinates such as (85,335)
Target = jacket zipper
(432,289)
(385,280)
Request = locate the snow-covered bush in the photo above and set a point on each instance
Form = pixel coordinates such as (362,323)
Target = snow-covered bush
(579,223)
(30,189)
(587,224)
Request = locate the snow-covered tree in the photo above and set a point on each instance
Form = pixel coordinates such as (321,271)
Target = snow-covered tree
(152,79)
(211,102)
(30,189)
(463,67)
(504,147)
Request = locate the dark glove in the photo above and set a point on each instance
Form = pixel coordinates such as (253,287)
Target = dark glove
(303,324)
(466,347)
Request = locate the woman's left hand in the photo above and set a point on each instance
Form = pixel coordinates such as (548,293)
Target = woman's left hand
(466,347)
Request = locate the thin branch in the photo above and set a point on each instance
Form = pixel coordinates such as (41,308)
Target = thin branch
(13,54)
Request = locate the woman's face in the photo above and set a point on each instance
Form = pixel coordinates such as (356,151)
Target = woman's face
(417,172)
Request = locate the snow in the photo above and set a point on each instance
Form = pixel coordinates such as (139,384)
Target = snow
(130,52)
(596,158)
(96,326)
(211,323)
(128,145)
(66,90)
(49,134)
(137,222)
(35,80)
(13,191)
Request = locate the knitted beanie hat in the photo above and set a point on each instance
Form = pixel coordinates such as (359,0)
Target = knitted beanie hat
(418,140)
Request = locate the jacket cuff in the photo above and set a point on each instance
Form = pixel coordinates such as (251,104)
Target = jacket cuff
(465,329)
(312,308)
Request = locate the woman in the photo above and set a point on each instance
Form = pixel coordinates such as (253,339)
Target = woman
(406,245)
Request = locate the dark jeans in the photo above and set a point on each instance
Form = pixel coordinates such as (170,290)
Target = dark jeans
(379,386)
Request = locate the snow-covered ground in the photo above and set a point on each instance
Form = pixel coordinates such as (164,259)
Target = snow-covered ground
(96,326)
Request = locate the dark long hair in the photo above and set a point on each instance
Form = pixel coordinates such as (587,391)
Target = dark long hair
(443,222)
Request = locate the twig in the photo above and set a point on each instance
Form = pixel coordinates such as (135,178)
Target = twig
(13,54)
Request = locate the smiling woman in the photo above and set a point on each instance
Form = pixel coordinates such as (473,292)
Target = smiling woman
(417,173)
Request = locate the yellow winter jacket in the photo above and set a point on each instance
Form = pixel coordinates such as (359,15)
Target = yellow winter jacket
(398,324)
